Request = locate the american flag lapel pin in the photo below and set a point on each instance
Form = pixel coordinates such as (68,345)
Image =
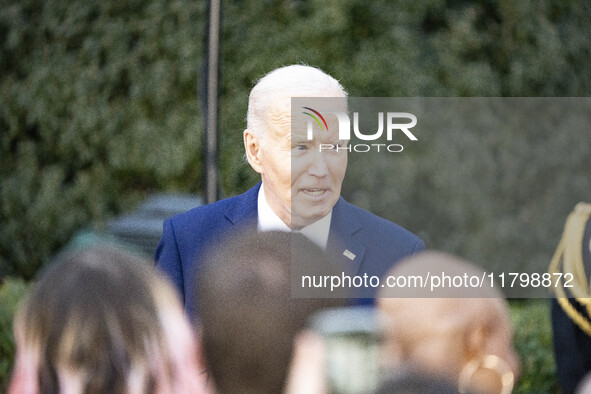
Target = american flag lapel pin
(348,254)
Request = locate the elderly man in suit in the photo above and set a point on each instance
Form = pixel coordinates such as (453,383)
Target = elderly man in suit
(300,191)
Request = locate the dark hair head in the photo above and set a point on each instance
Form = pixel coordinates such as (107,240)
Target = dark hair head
(248,318)
(96,321)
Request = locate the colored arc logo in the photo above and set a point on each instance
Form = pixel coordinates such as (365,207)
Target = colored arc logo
(315,118)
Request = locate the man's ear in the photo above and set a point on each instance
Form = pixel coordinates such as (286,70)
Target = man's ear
(477,336)
(252,147)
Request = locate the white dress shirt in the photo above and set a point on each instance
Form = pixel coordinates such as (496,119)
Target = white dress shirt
(316,232)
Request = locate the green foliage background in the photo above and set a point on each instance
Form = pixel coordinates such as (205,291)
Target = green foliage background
(98,109)
(533,343)
(11,292)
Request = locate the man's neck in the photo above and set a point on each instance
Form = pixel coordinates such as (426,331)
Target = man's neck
(268,220)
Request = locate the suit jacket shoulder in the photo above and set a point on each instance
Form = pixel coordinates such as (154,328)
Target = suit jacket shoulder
(187,236)
(207,220)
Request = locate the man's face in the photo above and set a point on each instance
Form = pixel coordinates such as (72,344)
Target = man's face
(302,184)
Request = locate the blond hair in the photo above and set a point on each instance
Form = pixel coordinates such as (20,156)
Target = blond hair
(285,82)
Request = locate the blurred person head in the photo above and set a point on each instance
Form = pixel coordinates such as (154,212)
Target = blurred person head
(101,321)
(301,184)
(248,320)
(468,340)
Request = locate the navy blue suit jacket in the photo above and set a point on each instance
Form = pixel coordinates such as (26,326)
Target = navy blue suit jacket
(375,242)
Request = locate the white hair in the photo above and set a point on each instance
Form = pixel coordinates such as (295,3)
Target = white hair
(285,82)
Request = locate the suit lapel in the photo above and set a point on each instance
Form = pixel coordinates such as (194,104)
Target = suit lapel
(343,247)
(244,211)
(347,251)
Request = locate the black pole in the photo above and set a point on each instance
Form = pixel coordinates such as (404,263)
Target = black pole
(211,101)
